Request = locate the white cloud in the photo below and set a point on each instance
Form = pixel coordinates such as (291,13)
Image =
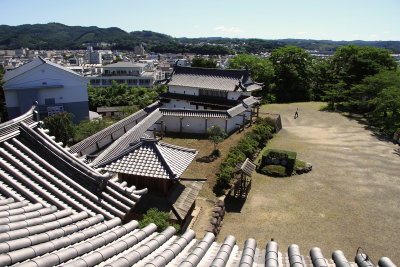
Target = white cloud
(301,33)
(227,29)
(386,32)
(373,36)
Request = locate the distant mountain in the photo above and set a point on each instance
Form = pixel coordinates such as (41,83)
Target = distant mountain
(60,36)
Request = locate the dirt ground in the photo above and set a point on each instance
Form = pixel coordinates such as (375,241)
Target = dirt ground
(350,199)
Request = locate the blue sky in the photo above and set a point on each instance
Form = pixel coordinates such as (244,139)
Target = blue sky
(302,19)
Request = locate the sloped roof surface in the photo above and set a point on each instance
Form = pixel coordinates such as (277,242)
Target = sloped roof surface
(131,136)
(122,124)
(214,79)
(36,169)
(247,167)
(33,64)
(152,158)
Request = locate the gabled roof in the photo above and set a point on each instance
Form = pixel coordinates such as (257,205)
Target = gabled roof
(152,158)
(116,127)
(131,136)
(247,167)
(33,64)
(213,79)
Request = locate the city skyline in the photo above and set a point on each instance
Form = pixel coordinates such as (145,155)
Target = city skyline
(311,19)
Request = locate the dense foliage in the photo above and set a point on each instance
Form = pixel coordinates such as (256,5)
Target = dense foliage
(292,74)
(262,71)
(159,218)
(246,148)
(122,95)
(200,62)
(59,36)
(60,126)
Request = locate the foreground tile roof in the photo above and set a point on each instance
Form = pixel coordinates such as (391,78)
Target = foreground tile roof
(36,169)
(214,79)
(152,158)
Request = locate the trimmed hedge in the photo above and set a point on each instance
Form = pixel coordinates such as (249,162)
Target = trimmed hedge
(246,148)
(281,155)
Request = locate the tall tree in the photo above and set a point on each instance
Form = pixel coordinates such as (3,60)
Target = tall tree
(292,66)
(60,126)
(204,63)
(353,63)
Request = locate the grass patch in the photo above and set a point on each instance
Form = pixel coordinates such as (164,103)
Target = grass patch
(274,170)
(324,108)
(299,164)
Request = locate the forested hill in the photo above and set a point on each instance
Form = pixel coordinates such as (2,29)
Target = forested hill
(59,36)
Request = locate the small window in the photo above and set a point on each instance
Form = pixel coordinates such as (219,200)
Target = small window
(184,92)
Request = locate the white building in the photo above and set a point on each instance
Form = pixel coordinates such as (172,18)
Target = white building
(56,89)
(94,57)
(133,74)
(199,98)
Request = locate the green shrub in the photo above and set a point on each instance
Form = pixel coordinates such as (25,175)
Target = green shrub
(216,152)
(274,170)
(289,156)
(248,146)
(159,218)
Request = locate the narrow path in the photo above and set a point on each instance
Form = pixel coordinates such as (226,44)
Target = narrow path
(350,199)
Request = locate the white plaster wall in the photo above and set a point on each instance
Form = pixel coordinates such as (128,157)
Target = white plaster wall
(234,95)
(172,123)
(193,125)
(233,121)
(11,98)
(183,90)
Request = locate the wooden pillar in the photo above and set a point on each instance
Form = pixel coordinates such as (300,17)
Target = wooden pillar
(258,111)
(124,129)
(205,127)
(162,129)
(180,127)
(226,125)
(154,133)
(244,120)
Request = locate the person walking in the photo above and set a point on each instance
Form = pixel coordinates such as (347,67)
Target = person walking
(296,114)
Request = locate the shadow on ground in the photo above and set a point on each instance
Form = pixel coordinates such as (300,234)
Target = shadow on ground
(233,204)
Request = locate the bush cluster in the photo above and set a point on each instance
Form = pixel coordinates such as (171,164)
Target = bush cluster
(246,148)
(288,156)
(159,218)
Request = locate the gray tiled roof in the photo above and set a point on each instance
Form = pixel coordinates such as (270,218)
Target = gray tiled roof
(152,158)
(36,169)
(131,136)
(116,127)
(247,167)
(214,79)
(60,237)
(10,128)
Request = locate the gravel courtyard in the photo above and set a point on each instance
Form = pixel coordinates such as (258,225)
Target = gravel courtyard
(350,199)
